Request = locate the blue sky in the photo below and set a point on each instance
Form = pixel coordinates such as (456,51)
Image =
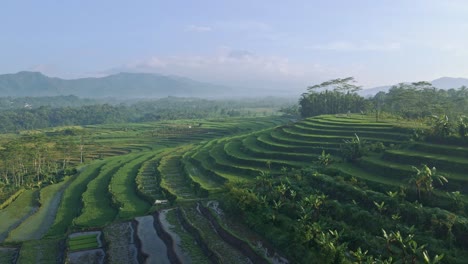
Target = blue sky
(264,44)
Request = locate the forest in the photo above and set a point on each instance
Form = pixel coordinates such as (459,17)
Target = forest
(44,112)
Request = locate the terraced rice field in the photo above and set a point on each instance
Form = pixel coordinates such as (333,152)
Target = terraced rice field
(190,162)
(298,145)
(126,168)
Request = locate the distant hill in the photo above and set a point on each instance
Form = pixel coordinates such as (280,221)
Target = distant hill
(448,83)
(122,85)
(441,83)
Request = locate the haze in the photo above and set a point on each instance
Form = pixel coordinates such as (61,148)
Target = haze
(259,44)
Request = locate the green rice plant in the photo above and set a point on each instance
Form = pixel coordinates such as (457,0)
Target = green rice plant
(124,190)
(173,179)
(36,226)
(98,209)
(17,211)
(89,245)
(39,251)
(71,204)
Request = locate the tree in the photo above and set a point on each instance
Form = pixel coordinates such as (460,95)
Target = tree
(331,97)
(424,177)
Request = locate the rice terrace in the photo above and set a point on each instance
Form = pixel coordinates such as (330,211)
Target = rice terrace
(275,188)
(229,132)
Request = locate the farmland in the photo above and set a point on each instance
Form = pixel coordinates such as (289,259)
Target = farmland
(287,180)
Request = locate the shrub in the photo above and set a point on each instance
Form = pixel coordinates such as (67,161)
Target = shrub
(353,149)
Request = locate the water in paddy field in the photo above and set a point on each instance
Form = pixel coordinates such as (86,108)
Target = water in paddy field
(151,244)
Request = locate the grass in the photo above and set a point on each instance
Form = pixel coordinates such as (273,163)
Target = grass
(83,242)
(71,203)
(172,175)
(98,209)
(39,251)
(197,174)
(234,149)
(148,180)
(445,162)
(124,190)
(17,211)
(223,162)
(37,224)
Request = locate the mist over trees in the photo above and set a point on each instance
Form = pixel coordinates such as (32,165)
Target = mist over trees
(170,108)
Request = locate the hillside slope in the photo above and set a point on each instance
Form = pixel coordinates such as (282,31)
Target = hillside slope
(130,85)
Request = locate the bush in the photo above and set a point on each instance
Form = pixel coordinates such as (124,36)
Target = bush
(353,149)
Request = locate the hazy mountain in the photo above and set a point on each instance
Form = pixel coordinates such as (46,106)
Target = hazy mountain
(373,91)
(448,83)
(441,83)
(129,85)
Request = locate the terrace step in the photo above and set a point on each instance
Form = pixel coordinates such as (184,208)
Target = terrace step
(222,161)
(209,166)
(172,175)
(350,132)
(281,137)
(237,153)
(440,161)
(254,149)
(440,149)
(266,141)
(225,252)
(320,124)
(200,175)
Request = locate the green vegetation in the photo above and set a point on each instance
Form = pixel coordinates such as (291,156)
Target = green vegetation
(71,202)
(37,224)
(98,209)
(40,251)
(17,211)
(124,190)
(383,185)
(83,242)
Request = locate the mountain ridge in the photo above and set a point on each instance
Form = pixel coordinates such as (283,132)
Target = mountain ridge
(124,84)
(444,83)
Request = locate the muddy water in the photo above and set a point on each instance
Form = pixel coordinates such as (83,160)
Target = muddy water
(151,244)
(177,241)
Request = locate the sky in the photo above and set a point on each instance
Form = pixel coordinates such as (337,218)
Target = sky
(266,44)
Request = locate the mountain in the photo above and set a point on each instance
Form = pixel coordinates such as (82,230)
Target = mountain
(373,91)
(441,83)
(121,85)
(448,83)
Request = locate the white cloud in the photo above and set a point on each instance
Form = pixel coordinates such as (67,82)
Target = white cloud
(350,46)
(195,28)
(237,68)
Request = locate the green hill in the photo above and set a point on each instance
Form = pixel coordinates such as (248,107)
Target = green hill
(129,85)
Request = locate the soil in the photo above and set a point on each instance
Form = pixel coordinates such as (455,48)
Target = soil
(87,256)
